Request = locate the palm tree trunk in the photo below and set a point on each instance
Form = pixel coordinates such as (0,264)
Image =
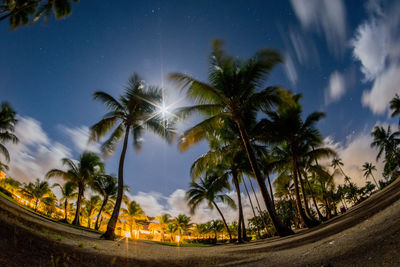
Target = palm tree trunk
(259,207)
(252,208)
(377,187)
(303,191)
(236,182)
(303,217)
(36,203)
(281,229)
(88,221)
(78,204)
(96,225)
(314,201)
(110,232)
(65,210)
(270,191)
(223,219)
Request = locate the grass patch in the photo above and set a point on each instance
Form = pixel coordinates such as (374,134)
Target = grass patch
(172,244)
(46,217)
(81,244)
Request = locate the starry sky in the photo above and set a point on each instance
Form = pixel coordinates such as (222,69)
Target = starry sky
(342,56)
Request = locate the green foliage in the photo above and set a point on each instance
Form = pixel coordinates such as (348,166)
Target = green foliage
(27,12)
(7,127)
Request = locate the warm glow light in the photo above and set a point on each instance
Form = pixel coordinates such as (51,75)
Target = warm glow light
(128,234)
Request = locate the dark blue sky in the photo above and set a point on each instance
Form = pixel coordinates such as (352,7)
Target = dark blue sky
(49,72)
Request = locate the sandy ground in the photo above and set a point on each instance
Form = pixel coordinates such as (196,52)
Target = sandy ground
(367,235)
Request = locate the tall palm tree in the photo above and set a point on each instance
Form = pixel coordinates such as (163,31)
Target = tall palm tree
(81,173)
(91,205)
(28,12)
(163,220)
(367,169)
(138,109)
(287,128)
(67,193)
(132,214)
(7,127)
(37,191)
(235,91)
(106,186)
(210,189)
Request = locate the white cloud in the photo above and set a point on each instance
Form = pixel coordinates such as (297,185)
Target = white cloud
(383,90)
(80,138)
(327,16)
(376,45)
(336,87)
(35,154)
(290,69)
(370,48)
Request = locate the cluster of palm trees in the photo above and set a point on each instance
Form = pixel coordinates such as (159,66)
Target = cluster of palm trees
(253,131)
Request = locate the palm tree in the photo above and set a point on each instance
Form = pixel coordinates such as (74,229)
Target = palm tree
(106,186)
(171,230)
(210,189)
(37,191)
(367,169)
(163,220)
(67,193)
(337,164)
(387,142)
(28,12)
(395,106)
(80,173)
(132,214)
(137,110)
(182,223)
(235,92)
(90,206)
(217,226)
(287,128)
(7,127)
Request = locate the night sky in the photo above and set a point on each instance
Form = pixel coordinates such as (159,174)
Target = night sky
(343,58)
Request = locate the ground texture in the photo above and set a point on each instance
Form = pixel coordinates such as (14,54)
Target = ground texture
(366,235)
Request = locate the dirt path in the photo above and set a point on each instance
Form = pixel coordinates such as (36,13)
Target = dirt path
(367,235)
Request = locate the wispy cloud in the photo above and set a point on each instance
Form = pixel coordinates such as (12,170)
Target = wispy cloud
(324,16)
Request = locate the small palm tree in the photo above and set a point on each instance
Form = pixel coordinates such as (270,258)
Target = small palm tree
(80,173)
(91,206)
(37,191)
(67,193)
(182,223)
(163,220)
(137,110)
(210,190)
(217,226)
(107,187)
(171,230)
(367,169)
(132,214)
(7,127)
(337,164)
